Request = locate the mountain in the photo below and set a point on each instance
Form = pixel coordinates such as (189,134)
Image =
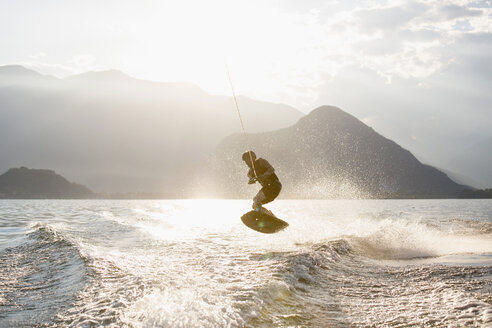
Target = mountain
(116,133)
(461,179)
(15,75)
(327,154)
(10,72)
(30,183)
(476,160)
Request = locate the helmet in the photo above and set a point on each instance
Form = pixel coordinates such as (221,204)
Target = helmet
(247,156)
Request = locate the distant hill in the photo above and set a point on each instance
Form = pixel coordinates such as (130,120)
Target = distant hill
(460,178)
(116,133)
(327,154)
(34,184)
(476,160)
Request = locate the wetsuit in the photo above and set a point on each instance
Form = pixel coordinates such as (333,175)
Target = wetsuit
(270,184)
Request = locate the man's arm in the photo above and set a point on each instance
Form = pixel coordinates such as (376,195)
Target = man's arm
(251,176)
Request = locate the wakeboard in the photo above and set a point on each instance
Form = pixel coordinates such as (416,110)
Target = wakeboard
(263,222)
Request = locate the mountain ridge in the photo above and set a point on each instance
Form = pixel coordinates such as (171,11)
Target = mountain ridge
(330,154)
(25,183)
(121,134)
(18,70)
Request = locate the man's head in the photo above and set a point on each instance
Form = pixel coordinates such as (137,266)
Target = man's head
(247,156)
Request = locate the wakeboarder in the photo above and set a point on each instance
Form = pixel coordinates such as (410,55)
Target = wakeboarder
(261,171)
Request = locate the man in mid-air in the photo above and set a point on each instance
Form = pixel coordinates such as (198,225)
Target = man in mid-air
(260,170)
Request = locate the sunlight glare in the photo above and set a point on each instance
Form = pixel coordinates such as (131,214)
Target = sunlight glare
(192,41)
(183,221)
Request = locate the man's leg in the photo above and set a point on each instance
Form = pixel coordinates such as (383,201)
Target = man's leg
(269,194)
(258,200)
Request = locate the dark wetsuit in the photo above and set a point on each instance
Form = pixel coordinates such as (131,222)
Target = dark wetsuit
(271,185)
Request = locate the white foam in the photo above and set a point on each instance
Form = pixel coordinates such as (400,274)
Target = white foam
(193,306)
(401,239)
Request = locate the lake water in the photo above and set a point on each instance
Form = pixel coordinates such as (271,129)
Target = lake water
(192,263)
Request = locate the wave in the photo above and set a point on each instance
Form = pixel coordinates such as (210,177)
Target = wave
(75,281)
(396,239)
(335,283)
(48,232)
(45,266)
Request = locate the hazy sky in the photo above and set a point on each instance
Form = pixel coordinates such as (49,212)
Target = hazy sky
(419,72)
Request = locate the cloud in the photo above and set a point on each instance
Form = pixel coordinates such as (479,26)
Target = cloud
(423,34)
(411,41)
(473,55)
(82,61)
(37,56)
(480,4)
(484,38)
(463,25)
(389,18)
(455,11)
